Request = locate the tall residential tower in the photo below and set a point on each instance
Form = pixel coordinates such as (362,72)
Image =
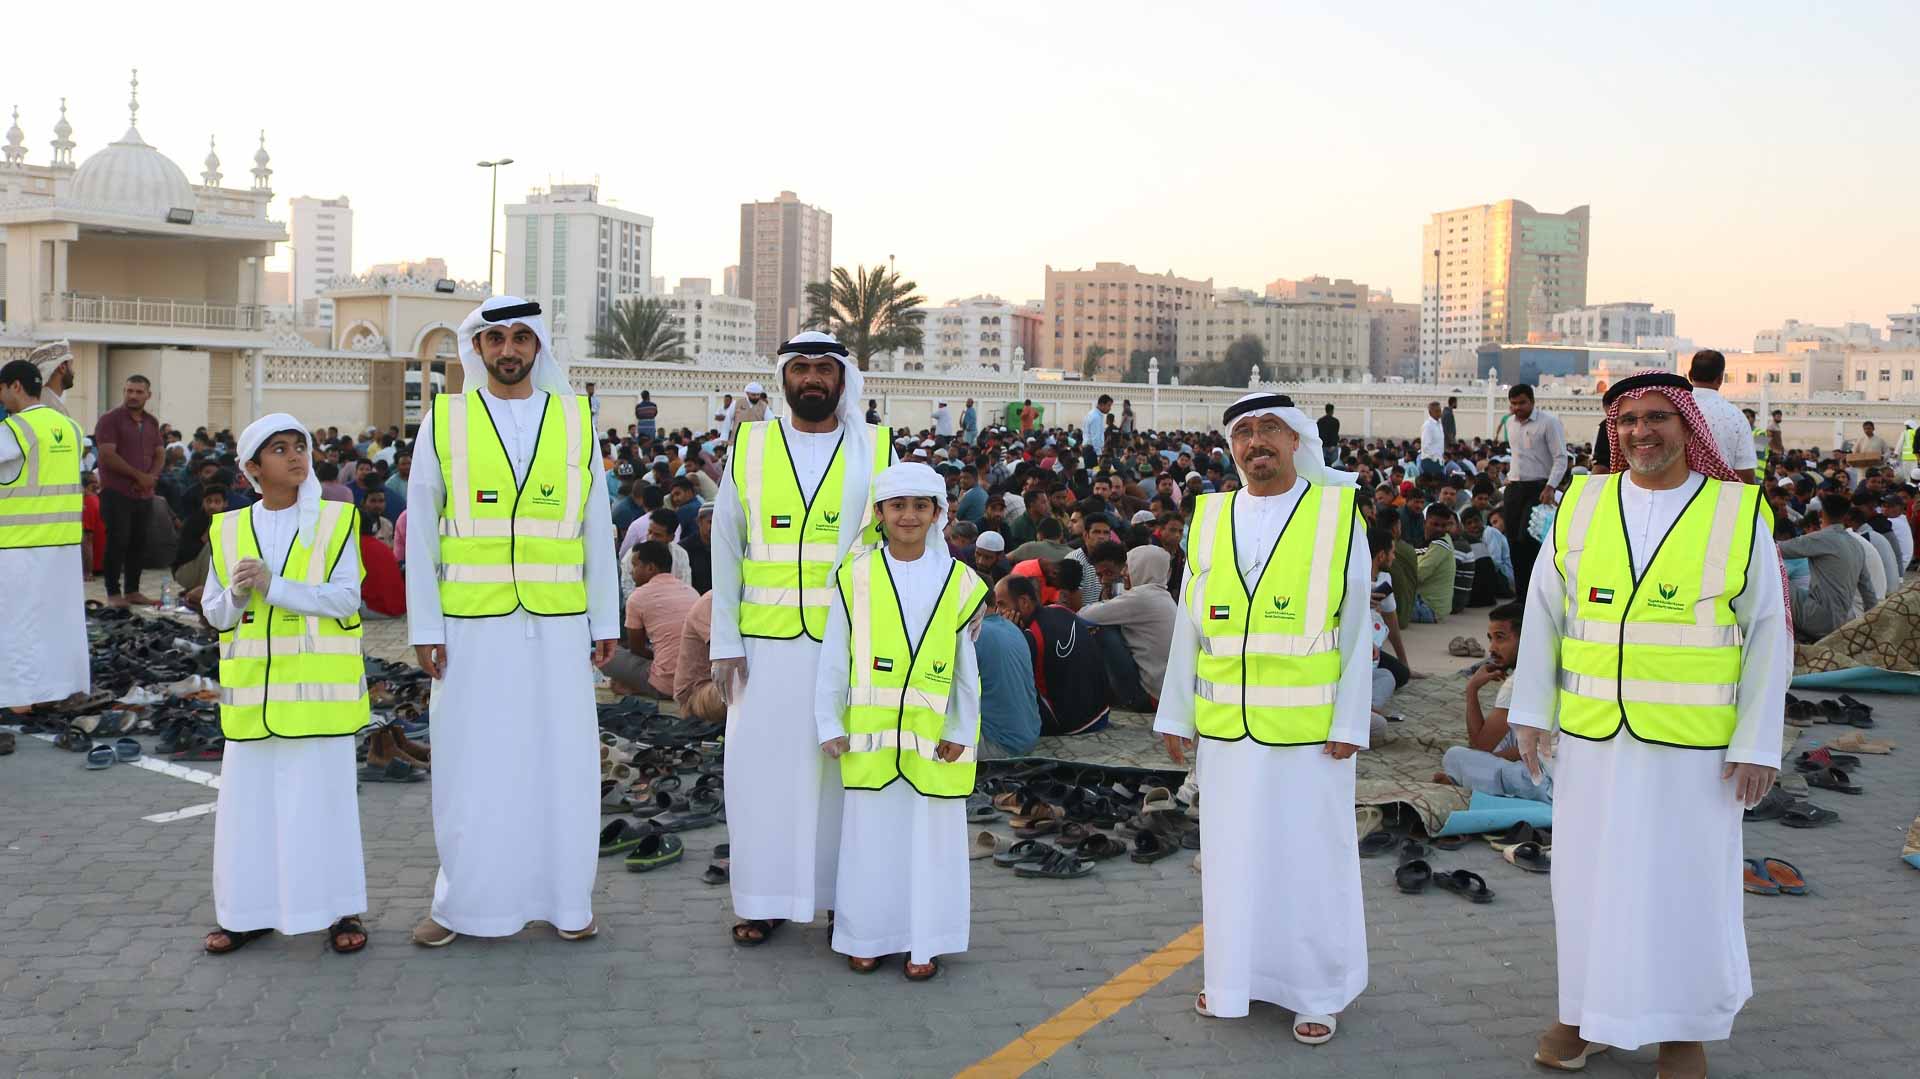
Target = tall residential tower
(1484,267)
(785,245)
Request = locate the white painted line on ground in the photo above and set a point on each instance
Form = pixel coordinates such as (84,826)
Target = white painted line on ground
(200,810)
(177,771)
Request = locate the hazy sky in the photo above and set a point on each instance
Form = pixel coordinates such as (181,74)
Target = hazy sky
(1744,165)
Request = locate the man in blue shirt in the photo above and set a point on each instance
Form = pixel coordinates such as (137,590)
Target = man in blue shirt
(973,505)
(1094,427)
(1009,708)
(970,423)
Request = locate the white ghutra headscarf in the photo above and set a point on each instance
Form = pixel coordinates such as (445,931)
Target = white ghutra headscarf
(1309,461)
(912,478)
(547,374)
(308,500)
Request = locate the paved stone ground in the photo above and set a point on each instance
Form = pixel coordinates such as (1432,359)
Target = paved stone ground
(101,972)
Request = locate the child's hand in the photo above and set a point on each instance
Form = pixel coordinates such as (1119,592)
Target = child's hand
(835,746)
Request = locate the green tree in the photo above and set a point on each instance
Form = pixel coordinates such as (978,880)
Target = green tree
(1241,357)
(870,311)
(1137,365)
(641,329)
(1091,364)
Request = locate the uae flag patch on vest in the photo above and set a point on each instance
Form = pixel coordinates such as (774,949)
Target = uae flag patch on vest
(486,498)
(1219,614)
(881,663)
(780,521)
(1599,595)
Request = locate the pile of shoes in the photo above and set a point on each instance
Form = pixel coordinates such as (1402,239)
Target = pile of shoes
(1064,817)
(394,747)
(1842,711)
(1414,872)
(660,776)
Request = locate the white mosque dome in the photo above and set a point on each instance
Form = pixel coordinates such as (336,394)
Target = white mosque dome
(132,176)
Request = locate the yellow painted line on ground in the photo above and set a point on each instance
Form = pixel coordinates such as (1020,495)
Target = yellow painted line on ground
(1036,1045)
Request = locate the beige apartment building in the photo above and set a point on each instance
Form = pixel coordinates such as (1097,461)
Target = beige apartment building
(1489,272)
(1393,337)
(1883,376)
(1795,373)
(1304,340)
(1116,307)
(785,245)
(1340,293)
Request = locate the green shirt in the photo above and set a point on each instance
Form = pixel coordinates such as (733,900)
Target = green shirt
(1433,577)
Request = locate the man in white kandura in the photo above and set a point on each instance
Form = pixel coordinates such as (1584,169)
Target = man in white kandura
(45,657)
(512,598)
(796,496)
(897,703)
(1658,643)
(283,589)
(1272,669)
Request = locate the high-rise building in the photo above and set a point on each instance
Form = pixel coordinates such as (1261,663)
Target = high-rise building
(1117,308)
(785,245)
(322,248)
(730,281)
(1610,323)
(575,254)
(716,328)
(1488,272)
(1393,336)
(1302,340)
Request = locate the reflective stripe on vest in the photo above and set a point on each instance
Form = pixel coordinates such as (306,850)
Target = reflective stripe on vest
(1269,662)
(42,506)
(507,544)
(897,694)
(1659,653)
(792,537)
(285,674)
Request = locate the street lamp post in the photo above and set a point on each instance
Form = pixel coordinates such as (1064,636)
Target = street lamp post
(493,211)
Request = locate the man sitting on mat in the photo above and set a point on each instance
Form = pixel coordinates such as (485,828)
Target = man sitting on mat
(1489,761)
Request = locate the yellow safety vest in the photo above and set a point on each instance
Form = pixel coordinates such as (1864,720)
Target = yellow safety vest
(1659,653)
(791,546)
(897,702)
(1907,453)
(1269,660)
(284,674)
(506,545)
(41,507)
(1763,446)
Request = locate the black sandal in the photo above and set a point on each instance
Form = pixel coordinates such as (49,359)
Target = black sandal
(763,926)
(235,941)
(348,926)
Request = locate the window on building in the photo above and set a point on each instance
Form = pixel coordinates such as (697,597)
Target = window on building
(559,256)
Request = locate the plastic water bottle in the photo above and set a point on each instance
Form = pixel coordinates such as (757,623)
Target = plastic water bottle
(166,595)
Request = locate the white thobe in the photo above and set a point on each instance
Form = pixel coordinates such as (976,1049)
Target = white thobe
(1646,878)
(46,654)
(902,884)
(783,795)
(1281,896)
(286,831)
(516,777)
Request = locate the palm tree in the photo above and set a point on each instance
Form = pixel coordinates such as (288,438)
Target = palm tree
(1095,353)
(641,329)
(868,310)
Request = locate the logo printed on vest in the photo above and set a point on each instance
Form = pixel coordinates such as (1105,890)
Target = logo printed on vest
(486,498)
(1219,614)
(1599,595)
(780,521)
(59,435)
(546,489)
(881,663)
(1665,602)
(832,517)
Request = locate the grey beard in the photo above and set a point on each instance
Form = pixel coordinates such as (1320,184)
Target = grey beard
(1666,461)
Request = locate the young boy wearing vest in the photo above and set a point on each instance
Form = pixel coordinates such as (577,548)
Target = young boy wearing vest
(897,702)
(283,589)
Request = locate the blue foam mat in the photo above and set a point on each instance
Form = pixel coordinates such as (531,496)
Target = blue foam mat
(1494,813)
(1864,679)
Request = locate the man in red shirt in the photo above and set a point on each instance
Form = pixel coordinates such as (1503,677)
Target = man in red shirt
(132,454)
